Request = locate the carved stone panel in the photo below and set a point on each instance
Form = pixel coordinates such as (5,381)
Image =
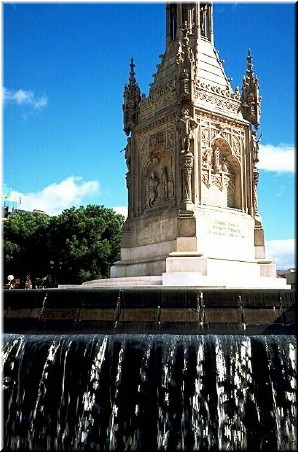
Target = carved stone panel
(219,168)
(158,171)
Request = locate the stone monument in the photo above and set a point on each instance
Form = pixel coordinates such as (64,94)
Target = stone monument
(192,179)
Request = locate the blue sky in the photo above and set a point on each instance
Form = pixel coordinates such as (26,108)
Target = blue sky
(64,70)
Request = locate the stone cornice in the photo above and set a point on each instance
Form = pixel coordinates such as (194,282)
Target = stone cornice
(219,118)
(151,125)
(218,99)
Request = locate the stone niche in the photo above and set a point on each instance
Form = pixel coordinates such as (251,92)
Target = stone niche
(220,170)
(157,170)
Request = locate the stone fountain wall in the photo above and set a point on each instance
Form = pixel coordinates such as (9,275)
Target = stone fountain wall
(148,309)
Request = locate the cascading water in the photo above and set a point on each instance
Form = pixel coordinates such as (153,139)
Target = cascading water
(149,392)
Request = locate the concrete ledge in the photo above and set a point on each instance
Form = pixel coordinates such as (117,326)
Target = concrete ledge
(196,279)
(125,282)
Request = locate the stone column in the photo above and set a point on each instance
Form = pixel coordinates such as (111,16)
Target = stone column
(187,160)
(128,186)
(255,188)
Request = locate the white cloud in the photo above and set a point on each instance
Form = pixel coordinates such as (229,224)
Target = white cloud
(72,191)
(56,197)
(282,252)
(121,209)
(277,158)
(22,97)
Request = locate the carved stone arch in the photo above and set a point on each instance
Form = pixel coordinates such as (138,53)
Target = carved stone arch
(227,152)
(221,176)
(233,173)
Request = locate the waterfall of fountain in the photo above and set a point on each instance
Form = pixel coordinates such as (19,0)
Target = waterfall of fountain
(149,392)
(150,310)
(149,369)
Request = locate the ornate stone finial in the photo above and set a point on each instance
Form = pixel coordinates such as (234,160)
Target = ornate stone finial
(250,97)
(132,97)
(249,59)
(132,72)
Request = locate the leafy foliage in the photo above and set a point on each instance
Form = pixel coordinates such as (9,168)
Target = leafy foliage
(25,248)
(78,245)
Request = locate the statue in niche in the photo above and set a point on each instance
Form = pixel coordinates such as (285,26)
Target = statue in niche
(186,124)
(152,185)
(205,136)
(224,165)
(164,184)
(128,153)
(216,159)
(153,142)
(207,158)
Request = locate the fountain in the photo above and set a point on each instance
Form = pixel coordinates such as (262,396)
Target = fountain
(153,368)
(155,309)
(199,353)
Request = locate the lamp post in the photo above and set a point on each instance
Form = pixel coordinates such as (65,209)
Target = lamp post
(10,279)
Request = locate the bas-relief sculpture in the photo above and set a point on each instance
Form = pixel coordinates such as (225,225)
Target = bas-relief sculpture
(192,154)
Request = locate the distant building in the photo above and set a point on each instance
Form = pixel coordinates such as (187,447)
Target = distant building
(8,203)
(7,211)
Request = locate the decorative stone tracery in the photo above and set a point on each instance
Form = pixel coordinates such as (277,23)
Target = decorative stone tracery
(220,174)
(191,158)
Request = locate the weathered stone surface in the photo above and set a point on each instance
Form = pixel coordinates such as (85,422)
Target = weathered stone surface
(192,154)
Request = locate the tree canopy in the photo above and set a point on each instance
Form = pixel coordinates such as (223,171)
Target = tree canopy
(78,245)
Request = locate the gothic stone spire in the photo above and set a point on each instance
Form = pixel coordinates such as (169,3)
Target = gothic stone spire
(132,96)
(251,99)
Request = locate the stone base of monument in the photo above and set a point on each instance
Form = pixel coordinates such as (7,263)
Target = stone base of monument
(209,273)
(209,247)
(220,272)
(186,279)
(198,280)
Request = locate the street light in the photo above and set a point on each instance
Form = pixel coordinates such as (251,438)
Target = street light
(10,279)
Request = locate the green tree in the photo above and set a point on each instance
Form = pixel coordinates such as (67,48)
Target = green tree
(86,241)
(78,245)
(25,247)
